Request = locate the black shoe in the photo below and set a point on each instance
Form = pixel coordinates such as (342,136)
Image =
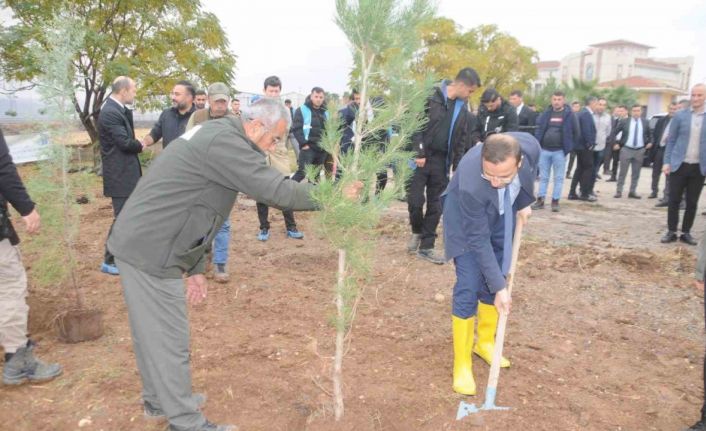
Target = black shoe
(688,239)
(618,195)
(652,195)
(599,177)
(573,197)
(430,255)
(555,205)
(633,195)
(539,204)
(662,204)
(611,180)
(669,237)
(682,206)
(698,426)
(588,198)
(568,176)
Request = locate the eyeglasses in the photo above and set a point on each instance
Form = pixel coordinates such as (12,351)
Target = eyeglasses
(501,180)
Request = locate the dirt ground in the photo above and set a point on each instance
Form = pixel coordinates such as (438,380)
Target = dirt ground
(606,333)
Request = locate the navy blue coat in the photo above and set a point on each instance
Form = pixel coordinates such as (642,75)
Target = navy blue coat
(471,208)
(567,135)
(587,138)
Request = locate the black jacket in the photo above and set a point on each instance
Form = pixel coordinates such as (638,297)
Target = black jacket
(170,125)
(435,110)
(527,119)
(119,150)
(625,128)
(503,119)
(318,125)
(13,191)
(660,128)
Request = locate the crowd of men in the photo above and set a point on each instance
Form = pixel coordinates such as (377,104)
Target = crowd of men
(478,169)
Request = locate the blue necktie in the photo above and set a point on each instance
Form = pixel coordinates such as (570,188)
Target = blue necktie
(507,240)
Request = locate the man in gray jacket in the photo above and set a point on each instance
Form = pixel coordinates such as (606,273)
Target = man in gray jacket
(191,189)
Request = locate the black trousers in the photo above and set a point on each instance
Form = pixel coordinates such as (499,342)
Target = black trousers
(118,204)
(311,156)
(688,177)
(263,212)
(657,169)
(431,179)
(572,159)
(583,173)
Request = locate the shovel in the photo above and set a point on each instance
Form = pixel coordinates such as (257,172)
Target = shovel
(464,409)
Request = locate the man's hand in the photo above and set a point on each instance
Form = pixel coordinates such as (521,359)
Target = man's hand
(304,147)
(503,301)
(524,214)
(32,221)
(616,147)
(196,286)
(698,285)
(648,146)
(420,162)
(666,169)
(352,191)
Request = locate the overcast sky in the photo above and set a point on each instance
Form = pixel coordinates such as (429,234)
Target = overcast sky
(299,42)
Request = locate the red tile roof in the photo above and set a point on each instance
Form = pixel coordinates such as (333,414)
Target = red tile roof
(651,62)
(634,82)
(620,42)
(547,65)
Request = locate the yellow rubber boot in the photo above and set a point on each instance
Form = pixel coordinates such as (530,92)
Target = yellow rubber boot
(487,325)
(463,343)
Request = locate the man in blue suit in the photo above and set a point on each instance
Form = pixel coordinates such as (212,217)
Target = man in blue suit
(685,163)
(494,184)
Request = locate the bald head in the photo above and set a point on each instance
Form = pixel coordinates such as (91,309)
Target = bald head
(124,89)
(698,94)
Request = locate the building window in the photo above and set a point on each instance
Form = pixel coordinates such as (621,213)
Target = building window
(589,72)
(620,71)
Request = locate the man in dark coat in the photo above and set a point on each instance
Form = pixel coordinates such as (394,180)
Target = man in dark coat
(119,150)
(526,117)
(585,142)
(439,145)
(495,115)
(493,186)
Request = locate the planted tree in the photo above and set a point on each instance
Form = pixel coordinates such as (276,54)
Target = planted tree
(375,28)
(55,189)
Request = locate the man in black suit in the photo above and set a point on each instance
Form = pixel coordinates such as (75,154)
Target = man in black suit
(583,146)
(634,141)
(526,117)
(660,140)
(119,150)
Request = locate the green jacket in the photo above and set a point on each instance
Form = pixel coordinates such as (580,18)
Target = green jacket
(169,221)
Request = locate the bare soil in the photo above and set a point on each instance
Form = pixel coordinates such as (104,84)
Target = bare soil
(607,333)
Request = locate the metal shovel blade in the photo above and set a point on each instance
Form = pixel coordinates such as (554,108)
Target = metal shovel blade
(465,409)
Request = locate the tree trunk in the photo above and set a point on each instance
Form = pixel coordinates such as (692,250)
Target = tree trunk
(340,336)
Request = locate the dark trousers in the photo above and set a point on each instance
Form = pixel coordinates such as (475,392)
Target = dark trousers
(597,160)
(311,156)
(263,212)
(657,169)
(688,177)
(432,179)
(118,204)
(583,173)
(611,154)
(572,159)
